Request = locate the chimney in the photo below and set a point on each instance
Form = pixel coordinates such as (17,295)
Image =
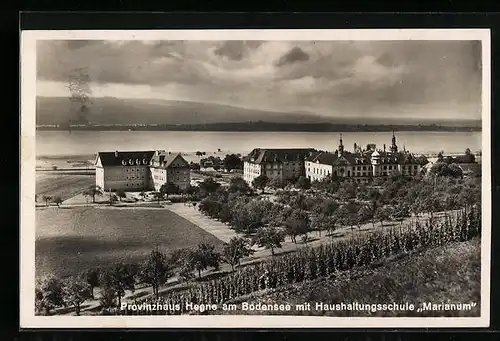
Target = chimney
(116,154)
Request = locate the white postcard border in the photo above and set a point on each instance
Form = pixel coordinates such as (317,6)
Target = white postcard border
(27,183)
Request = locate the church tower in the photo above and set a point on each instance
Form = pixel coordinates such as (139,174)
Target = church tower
(341,146)
(394,147)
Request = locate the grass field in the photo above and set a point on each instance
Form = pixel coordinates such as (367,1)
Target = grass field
(450,274)
(69,240)
(63,185)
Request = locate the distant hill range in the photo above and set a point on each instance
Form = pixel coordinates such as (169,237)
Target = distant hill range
(109,113)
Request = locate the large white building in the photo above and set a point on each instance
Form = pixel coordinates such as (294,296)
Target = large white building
(362,165)
(284,164)
(140,170)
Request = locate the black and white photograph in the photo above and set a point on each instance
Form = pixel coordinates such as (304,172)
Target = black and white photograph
(255,178)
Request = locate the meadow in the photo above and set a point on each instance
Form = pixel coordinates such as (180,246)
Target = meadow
(63,185)
(70,240)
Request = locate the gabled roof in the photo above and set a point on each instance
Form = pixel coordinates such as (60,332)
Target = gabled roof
(126,158)
(278,155)
(324,158)
(165,159)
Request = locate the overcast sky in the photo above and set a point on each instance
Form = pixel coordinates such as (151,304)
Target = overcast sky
(420,79)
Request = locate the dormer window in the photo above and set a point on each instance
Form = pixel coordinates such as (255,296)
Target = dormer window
(130,162)
(137,162)
(144,162)
(124,162)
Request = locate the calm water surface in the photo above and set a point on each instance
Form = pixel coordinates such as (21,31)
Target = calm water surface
(60,143)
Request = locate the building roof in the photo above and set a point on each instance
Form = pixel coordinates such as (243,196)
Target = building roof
(125,158)
(362,158)
(259,155)
(165,159)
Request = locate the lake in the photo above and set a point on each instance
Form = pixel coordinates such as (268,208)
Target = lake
(61,143)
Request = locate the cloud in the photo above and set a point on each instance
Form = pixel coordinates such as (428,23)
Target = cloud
(316,75)
(293,56)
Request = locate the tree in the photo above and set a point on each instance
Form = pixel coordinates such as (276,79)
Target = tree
(155,271)
(382,214)
(199,154)
(57,200)
(209,185)
(238,185)
(75,292)
(48,294)
(169,188)
(322,222)
(120,193)
(93,191)
(401,212)
(203,257)
(303,183)
(260,182)
(364,214)
(92,278)
(298,224)
(235,250)
(47,199)
(269,238)
(232,161)
(119,278)
(342,215)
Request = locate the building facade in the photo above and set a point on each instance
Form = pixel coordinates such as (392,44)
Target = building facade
(140,170)
(362,165)
(169,167)
(129,171)
(284,164)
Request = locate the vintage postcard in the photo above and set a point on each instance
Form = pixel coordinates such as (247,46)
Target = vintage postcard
(255,179)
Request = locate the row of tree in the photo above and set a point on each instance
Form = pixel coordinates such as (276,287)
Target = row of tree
(156,271)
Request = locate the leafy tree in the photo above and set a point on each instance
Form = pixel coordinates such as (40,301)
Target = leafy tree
(326,206)
(48,294)
(155,271)
(93,191)
(346,191)
(260,182)
(47,199)
(235,250)
(364,214)
(107,297)
(342,215)
(91,276)
(203,257)
(232,161)
(57,200)
(75,292)
(238,185)
(322,222)
(169,188)
(209,185)
(269,238)
(119,278)
(120,193)
(382,214)
(298,224)
(303,183)
(401,212)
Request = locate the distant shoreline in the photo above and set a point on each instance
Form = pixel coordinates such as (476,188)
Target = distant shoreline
(263,127)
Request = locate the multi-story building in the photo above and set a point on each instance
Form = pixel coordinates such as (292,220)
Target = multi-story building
(362,165)
(124,170)
(284,164)
(169,167)
(140,170)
